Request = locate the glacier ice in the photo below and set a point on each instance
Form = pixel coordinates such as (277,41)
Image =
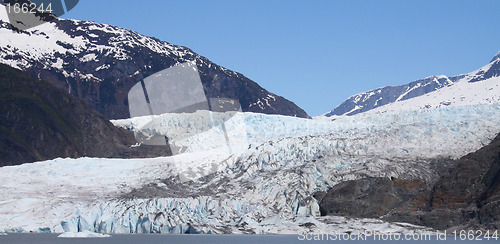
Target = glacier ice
(82,234)
(264,186)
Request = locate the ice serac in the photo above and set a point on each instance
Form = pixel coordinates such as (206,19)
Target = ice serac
(265,186)
(100,63)
(425,91)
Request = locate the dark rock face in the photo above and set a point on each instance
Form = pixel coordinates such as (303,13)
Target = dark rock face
(489,202)
(467,195)
(100,63)
(369,197)
(40,122)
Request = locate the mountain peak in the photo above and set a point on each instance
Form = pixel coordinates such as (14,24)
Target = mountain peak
(496,57)
(486,92)
(101,63)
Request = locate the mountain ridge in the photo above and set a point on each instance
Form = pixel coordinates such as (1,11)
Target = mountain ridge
(99,63)
(383,98)
(496,57)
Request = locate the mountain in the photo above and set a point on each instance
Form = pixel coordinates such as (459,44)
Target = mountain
(99,63)
(41,122)
(480,86)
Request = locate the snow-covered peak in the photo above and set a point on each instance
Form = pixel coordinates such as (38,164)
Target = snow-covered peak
(82,55)
(387,96)
(460,93)
(49,42)
(481,86)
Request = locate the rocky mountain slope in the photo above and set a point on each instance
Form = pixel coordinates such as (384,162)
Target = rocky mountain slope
(40,122)
(480,86)
(99,63)
(466,196)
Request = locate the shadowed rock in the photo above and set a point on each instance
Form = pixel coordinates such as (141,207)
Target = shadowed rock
(41,122)
(466,196)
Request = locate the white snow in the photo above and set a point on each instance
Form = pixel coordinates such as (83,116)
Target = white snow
(104,66)
(261,101)
(263,187)
(41,44)
(409,89)
(88,57)
(460,93)
(44,43)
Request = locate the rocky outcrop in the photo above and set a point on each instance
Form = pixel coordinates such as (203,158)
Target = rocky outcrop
(369,197)
(466,196)
(40,122)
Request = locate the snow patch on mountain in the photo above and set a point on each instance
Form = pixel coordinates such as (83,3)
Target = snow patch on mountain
(47,43)
(99,63)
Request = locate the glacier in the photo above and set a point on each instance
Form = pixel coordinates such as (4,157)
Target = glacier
(262,183)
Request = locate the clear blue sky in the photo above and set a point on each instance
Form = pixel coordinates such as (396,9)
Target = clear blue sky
(318,53)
